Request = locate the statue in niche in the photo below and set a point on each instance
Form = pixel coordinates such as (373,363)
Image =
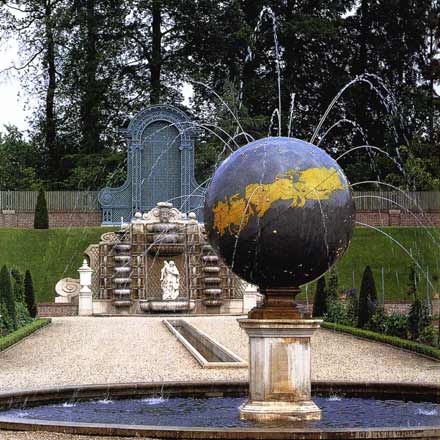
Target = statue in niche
(169,281)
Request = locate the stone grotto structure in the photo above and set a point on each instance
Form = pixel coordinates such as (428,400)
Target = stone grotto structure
(159,262)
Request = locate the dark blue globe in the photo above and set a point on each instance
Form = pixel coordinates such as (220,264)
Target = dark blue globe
(280,212)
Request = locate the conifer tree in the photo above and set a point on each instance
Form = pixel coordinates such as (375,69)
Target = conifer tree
(418,317)
(320,300)
(7,295)
(29,294)
(412,282)
(367,298)
(333,282)
(41,219)
(17,284)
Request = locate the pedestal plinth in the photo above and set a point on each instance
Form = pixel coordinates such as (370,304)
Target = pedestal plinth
(279,370)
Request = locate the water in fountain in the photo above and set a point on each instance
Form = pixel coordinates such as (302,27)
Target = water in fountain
(221,412)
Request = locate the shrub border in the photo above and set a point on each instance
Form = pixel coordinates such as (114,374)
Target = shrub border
(22,332)
(405,344)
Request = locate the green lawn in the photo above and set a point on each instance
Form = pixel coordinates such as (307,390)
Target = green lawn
(49,254)
(378,251)
(58,253)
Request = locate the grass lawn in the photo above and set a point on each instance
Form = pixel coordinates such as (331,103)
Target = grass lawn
(57,253)
(49,254)
(372,248)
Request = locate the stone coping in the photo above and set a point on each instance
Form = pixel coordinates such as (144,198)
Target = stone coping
(211,389)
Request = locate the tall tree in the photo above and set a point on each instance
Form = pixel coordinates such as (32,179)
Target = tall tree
(36,25)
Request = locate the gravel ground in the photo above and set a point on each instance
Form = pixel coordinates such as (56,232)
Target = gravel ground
(107,350)
(120,349)
(337,356)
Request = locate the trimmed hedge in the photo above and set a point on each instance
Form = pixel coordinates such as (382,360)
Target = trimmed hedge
(22,332)
(405,344)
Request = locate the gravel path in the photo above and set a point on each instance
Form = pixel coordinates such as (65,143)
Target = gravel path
(120,349)
(105,350)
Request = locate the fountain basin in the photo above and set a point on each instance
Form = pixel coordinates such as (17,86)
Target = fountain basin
(122,291)
(122,303)
(168,306)
(122,247)
(165,249)
(122,280)
(124,258)
(122,270)
(213,292)
(199,395)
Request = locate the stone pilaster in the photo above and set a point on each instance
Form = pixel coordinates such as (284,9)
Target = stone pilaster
(85,301)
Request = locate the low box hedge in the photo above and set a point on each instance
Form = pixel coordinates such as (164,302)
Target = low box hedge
(22,332)
(405,344)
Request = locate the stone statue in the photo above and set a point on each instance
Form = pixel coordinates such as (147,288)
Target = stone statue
(169,281)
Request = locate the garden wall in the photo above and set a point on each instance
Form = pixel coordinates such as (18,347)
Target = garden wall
(56,309)
(12,219)
(57,219)
(81,208)
(398,218)
(395,306)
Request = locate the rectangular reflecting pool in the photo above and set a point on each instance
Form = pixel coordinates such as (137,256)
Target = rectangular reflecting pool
(208,352)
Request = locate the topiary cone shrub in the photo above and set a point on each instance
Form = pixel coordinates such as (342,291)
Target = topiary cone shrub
(41,219)
(7,296)
(367,298)
(320,300)
(332,290)
(29,294)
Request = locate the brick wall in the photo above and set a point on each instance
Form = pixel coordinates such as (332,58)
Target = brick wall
(11,219)
(398,218)
(47,310)
(401,307)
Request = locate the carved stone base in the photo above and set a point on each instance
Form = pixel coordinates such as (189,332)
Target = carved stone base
(262,411)
(277,303)
(279,369)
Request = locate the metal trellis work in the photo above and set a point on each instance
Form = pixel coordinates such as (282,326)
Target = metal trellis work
(160,166)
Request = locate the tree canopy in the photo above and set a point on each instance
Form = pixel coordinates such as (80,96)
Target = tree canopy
(88,65)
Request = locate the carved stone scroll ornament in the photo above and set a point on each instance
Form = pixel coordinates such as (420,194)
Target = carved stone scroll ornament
(109,237)
(67,289)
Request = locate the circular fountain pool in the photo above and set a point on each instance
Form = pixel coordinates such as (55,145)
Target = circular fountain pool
(222,412)
(209,410)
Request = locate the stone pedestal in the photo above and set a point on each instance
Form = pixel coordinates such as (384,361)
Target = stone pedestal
(251,296)
(279,370)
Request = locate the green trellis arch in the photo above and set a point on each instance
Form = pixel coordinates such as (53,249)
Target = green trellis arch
(160,166)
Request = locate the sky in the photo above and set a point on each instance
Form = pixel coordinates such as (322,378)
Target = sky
(11,105)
